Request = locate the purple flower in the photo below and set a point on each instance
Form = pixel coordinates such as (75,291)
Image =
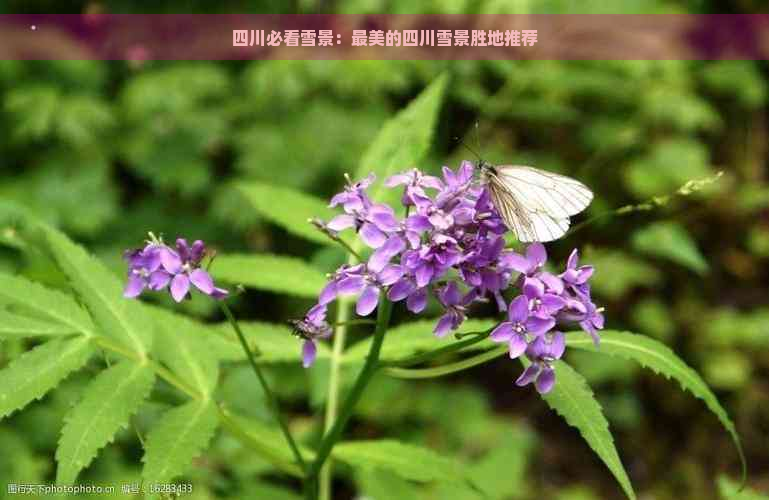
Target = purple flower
(576,275)
(453,240)
(311,328)
(156,266)
(364,280)
(521,327)
(451,299)
(542,353)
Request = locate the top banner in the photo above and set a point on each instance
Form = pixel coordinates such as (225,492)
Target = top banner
(454,37)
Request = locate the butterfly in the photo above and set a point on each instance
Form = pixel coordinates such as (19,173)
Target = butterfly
(534,204)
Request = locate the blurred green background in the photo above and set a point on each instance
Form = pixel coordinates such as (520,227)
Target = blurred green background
(110,150)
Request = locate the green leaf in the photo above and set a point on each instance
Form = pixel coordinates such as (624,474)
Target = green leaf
(659,358)
(404,140)
(573,399)
(273,273)
(188,353)
(407,461)
(267,442)
(731,490)
(35,372)
(107,405)
(288,208)
(413,337)
(669,240)
(15,326)
(32,298)
(177,437)
(274,343)
(102,293)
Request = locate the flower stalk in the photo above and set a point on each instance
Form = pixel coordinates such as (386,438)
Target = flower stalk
(272,402)
(364,377)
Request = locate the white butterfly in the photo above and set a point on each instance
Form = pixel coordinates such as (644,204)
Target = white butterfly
(535,204)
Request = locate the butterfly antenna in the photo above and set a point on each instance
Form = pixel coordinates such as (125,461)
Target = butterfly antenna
(464,144)
(478,136)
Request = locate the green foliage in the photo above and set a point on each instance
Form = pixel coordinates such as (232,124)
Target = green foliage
(106,407)
(659,358)
(272,273)
(178,437)
(618,273)
(287,208)
(404,139)
(405,460)
(574,401)
(272,342)
(27,297)
(34,373)
(188,355)
(669,240)
(101,292)
(14,325)
(731,490)
(414,337)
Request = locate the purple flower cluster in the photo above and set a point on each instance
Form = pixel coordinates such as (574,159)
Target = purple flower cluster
(156,267)
(451,245)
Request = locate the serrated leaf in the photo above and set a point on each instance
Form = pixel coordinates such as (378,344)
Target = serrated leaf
(177,437)
(273,273)
(186,352)
(404,140)
(573,399)
(37,371)
(275,343)
(413,337)
(659,358)
(102,293)
(32,298)
(16,326)
(106,407)
(288,208)
(669,240)
(407,461)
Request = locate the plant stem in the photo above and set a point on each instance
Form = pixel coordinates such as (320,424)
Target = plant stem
(439,371)
(364,377)
(272,402)
(332,397)
(427,356)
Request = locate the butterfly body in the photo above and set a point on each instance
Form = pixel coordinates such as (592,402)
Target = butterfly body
(535,204)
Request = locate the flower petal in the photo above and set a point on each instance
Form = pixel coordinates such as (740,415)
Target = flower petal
(180,285)
(444,325)
(328,293)
(350,285)
(518,310)
(502,333)
(518,345)
(545,381)
(309,351)
(529,375)
(401,289)
(341,222)
(538,326)
(533,288)
(417,301)
(170,260)
(159,280)
(536,254)
(367,301)
(202,280)
(372,235)
(134,286)
(390,274)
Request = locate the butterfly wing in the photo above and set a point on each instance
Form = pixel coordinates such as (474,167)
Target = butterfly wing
(535,204)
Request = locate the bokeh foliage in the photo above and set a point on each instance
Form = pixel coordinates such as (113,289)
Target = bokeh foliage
(106,151)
